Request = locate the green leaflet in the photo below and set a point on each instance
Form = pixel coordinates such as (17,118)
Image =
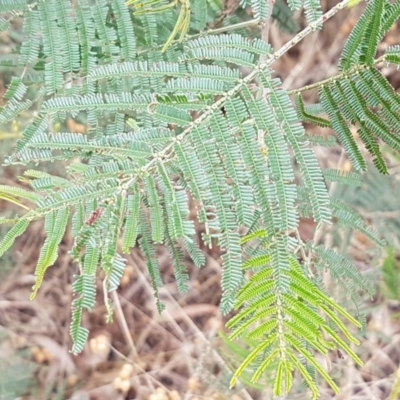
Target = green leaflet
(12,5)
(311,172)
(266,362)
(264,310)
(251,357)
(171,115)
(79,334)
(313,12)
(309,118)
(177,257)
(260,9)
(151,261)
(283,15)
(177,209)
(348,217)
(343,131)
(17,230)
(351,102)
(156,211)
(51,45)
(66,25)
(347,178)
(219,42)
(306,375)
(199,14)
(19,192)
(30,47)
(111,262)
(86,34)
(195,177)
(362,42)
(125,30)
(132,222)
(137,68)
(243,327)
(116,271)
(91,260)
(55,225)
(294,4)
(371,38)
(310,358)
(229,149)
(231,272)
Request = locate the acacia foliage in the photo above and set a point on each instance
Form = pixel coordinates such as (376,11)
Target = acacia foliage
(166,125)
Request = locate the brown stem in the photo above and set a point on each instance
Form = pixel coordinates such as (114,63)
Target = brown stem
(265,26)
(348,72)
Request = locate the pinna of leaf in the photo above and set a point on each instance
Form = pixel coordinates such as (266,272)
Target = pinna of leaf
(182,24)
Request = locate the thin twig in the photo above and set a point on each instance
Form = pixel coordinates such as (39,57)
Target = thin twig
(320,229)
(201,335)
(265,26)
(334,78)
(306,59)
(189,322)
(123,325)
(146,374)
